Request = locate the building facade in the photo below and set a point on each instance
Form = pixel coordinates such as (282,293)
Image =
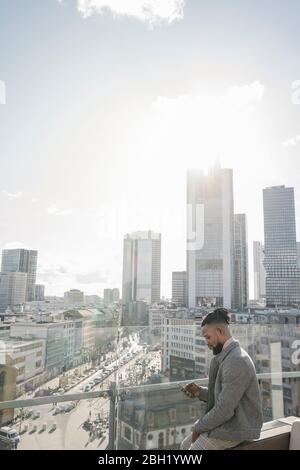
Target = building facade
(241,285)
(39,292)
(141,267)
(179,288)
(210,237)
(281,257)
(259,271)
(23,261)
(13,288)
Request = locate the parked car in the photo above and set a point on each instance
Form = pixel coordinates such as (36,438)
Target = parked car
(69,406)
(36,414)
(58,409)
(9,436)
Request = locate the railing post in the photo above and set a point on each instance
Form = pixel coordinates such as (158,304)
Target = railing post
(112,417)
(276,383)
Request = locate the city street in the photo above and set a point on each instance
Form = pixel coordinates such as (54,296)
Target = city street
(65,430)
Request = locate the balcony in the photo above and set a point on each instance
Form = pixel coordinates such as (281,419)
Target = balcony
(131,398)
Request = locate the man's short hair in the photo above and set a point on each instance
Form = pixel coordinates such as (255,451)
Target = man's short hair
(219,315)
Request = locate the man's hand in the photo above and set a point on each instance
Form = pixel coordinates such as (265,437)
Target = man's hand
(192,390)
(195,436)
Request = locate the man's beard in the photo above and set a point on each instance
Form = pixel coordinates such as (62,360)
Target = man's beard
(217,349)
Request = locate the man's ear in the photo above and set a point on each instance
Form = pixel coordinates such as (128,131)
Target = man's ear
(220,330)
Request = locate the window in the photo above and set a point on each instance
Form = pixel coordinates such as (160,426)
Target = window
(137,439)
(21,370)
(161,440)
(150,418)
(127,433)
(172,415)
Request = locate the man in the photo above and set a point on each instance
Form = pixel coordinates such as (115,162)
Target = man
(233,412)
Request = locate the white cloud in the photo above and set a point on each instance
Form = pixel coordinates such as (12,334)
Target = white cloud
(237,96)
(53,210)
(194,130)
(148,11)
(11,196)
(291,142)
(245,94)
(205,120)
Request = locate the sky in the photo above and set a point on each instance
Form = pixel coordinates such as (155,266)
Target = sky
(104,104)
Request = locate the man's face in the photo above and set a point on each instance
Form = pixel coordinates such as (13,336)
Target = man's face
(212,335)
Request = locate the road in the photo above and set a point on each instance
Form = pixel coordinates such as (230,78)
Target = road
(69,432)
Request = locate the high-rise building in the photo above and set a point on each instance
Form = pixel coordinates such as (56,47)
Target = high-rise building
(298,252)
(282,281)
(116,294)
(111,295)
(12,289)
(179,288)
(74,297)
(141,267)
(23,261)
(40,292)
(259,271)
(241,288)
(107,296)
(210,237)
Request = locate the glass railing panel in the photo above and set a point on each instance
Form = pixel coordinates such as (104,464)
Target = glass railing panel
(144,371)
(157,416)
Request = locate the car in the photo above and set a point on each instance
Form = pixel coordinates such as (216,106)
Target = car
(87,388)
(97,380)
(63,407)
(9,436)
(36,414)
(68,407)
(57,410)
(28,412)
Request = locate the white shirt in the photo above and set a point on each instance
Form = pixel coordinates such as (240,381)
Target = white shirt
(228,342)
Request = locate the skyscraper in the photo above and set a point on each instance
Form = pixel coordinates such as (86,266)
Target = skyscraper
(241,288)
(12,289)
(259,271)
(111,295)
(141,267)
(282,282)
(179,288)
(39,292)
(23,261)
(210,237)
(115,294)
